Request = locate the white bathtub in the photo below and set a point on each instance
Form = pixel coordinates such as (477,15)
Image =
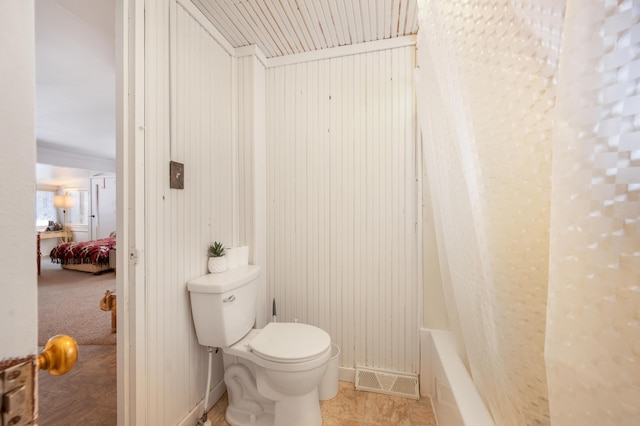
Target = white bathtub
(444,378)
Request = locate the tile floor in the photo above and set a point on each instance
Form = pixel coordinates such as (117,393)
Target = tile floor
(357,408)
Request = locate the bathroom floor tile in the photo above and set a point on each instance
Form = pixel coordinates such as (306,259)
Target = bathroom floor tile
(216,414)
(421,412)
(348,404)
(386,410)
(351,407)
(333,421)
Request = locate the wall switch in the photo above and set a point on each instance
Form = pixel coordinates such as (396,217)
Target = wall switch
(177,175)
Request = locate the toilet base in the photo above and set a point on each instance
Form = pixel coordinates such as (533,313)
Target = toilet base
(248,407)
(302,410)
(240,418)
(299,410)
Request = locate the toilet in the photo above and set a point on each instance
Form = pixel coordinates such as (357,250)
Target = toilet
(272,374)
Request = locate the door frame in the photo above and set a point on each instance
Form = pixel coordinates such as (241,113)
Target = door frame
(18,284)
(130,199)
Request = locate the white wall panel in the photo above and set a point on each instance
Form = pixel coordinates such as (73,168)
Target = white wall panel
(180,224)
(342,227)
(251,170)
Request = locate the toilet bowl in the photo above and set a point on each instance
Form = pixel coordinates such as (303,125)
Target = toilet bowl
(272,374)
(287,362)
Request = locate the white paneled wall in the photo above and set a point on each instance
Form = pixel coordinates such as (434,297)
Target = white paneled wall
(342,231)
(195,76)
(251,170)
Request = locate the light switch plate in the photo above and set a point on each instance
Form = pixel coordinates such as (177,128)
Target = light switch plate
(177,175)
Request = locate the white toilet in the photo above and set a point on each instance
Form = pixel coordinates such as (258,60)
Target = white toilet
(272,374)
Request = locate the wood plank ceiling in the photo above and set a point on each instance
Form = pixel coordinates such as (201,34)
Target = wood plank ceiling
(285,27)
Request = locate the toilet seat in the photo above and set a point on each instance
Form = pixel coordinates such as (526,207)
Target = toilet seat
(290,342)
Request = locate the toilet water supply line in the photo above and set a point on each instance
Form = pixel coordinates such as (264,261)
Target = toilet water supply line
(203,420)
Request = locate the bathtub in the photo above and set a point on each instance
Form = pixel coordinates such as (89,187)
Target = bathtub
(444,378)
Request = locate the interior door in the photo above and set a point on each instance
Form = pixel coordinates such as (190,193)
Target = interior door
(18,259)
(103,206)
(18,281)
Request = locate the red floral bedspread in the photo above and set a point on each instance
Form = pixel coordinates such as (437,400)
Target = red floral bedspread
(94,252)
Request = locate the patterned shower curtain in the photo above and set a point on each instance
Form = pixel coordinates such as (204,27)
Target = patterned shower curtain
(530,116)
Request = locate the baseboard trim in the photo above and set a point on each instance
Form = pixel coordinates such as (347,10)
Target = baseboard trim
(214,395)
(346,374)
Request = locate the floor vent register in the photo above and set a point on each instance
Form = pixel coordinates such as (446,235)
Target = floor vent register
(389,383)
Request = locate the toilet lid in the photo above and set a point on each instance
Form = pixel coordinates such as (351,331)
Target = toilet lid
(290,342)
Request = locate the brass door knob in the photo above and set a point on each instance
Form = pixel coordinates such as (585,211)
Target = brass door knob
(59,356)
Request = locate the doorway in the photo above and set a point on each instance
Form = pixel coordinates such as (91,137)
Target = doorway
(76,130)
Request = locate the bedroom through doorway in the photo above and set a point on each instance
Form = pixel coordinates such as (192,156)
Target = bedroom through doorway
(76,171)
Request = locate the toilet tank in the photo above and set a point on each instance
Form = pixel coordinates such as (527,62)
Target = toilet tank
(223,305)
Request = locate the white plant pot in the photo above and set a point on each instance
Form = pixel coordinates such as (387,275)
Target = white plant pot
(217,264)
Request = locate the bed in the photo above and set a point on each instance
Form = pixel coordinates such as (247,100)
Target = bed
(87,256)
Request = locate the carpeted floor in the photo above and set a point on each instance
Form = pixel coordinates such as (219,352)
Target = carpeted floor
(69,303)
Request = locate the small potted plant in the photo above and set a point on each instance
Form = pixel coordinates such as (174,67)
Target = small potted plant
(217,260)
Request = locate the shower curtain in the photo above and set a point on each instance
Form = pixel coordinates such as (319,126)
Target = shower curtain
(530,119)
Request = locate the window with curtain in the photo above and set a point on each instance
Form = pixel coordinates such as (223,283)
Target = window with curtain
(79,213)
(45,211)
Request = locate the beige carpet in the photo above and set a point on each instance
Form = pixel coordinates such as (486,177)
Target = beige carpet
(69,303)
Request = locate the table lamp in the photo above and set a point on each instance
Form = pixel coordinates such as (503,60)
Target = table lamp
(65,202)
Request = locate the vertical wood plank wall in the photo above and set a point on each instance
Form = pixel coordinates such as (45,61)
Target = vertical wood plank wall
(341,204)
(181,223)
(251,170)
(342,232)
